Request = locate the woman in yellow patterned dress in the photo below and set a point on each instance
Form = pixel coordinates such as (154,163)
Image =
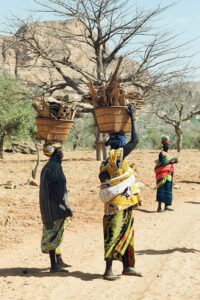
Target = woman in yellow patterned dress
(120,193)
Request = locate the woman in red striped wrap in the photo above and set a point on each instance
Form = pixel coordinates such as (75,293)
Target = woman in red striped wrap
(164,171)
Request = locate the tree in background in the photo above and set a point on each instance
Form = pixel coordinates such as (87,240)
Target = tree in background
(83,132)
(17,115)
(191,137)
(104,30)
(176,104)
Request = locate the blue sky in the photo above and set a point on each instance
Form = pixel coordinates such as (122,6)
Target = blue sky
(183,17)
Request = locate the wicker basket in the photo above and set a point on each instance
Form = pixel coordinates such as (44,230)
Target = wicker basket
(113,119)
(53,130)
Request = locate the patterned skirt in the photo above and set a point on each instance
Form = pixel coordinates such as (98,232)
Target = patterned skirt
(119,236)
(53,236)
(164,193)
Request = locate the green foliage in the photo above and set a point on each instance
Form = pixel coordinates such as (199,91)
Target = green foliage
(17,116)
(26,128)
(17,120)
(83,133)
(150,139)
(191,137)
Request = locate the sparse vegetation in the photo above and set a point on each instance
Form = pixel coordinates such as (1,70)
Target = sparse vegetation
(17,116)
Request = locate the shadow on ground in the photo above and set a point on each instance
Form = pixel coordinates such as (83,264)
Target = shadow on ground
(192,202)
(189,181)
(168,251)
(146,211)
(37,272)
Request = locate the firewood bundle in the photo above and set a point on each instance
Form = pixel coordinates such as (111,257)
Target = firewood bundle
(54,108)
(54,119)
(135,98)
(113,93)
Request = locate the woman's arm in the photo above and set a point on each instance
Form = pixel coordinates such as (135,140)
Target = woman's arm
(58,189)
(134,137)
(172,160)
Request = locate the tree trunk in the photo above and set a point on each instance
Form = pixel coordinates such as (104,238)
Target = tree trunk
(179,142)
(179,134)
(34,171)
(1,145)
(99,151)
(104,148)
(99,63)
(98,141)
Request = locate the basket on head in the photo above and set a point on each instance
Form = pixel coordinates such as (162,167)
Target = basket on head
(113,119)
(53,130)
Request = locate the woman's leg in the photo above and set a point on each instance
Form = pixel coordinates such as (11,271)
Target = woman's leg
(51,240)
(109,275)
(159,209)
(54,266)
(52,255)
(168,195)
(60,261)
(127,270)
(109,237)
(160,197)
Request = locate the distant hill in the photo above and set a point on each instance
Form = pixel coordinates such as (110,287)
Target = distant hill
(19,61)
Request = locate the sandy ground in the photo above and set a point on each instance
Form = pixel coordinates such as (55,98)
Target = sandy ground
(167,244)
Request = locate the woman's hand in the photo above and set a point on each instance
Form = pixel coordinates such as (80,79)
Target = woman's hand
(174,160)
(69,212)
(131,110)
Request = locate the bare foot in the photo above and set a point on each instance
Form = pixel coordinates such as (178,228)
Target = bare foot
(169,208)
(61,264)
(56,268)
(109,275)
(131,272)
(160,210)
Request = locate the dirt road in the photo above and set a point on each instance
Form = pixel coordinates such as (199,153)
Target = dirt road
(167,253)
(167,244)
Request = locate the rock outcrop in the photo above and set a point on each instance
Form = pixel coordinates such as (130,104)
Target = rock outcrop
(58,40)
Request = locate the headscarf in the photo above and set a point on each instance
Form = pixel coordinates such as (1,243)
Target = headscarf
(116,140)
(165,140)
(49,149)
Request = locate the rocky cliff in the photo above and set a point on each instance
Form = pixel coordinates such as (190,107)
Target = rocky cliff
(59,42)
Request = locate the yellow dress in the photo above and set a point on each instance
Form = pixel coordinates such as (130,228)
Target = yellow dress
(119,170)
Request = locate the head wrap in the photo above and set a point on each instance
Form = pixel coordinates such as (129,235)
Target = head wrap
(165,140)
(49,149)
(116,140)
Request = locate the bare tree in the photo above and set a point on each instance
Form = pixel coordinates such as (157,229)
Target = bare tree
(102,30)
(176,104)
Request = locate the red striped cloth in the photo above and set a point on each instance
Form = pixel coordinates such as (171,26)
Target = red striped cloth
(163,171)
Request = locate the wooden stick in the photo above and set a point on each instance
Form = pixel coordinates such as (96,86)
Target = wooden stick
(122,100)
(103,93)
(115,94)
(93,93)
(113,78)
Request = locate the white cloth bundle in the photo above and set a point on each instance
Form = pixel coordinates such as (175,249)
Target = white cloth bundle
(108,193)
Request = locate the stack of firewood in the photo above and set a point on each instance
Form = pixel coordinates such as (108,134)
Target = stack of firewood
(113,93)
(54,108)
(54,119)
